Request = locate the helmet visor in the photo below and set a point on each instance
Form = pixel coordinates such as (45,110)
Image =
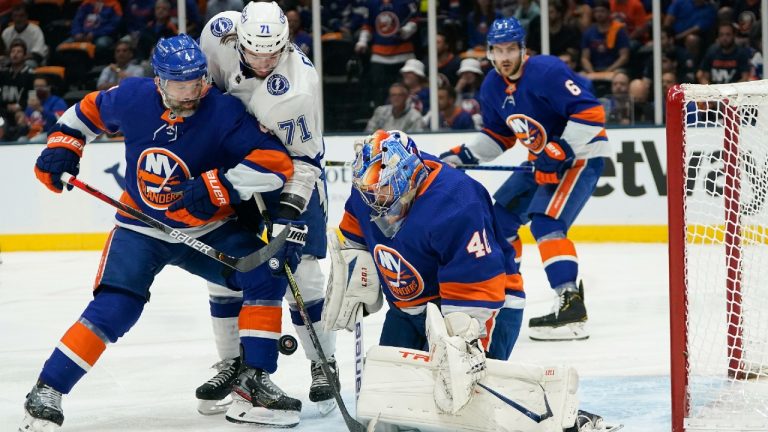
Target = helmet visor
(183,97)
(261,63)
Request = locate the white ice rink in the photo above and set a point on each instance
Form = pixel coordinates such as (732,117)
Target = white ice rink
(146,381)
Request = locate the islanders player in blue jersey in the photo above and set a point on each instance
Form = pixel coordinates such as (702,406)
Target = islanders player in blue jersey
(541,103)
(427,233)
(191,153)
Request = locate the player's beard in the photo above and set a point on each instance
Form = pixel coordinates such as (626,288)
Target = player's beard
(181,108)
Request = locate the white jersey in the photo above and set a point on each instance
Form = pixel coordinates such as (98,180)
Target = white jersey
(286,102)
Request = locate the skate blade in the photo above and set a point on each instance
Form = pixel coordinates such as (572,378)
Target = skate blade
(263,417)
(574,331)
(213,407)
(33,424)
(326,406)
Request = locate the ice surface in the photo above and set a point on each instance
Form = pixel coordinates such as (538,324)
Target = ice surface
(146,381)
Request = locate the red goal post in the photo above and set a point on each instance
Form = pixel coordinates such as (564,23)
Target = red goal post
(717,177)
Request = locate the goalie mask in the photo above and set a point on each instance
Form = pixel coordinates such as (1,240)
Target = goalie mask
(180,74)
(387,172)
(262,37)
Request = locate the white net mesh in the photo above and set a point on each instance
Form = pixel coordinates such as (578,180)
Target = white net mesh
(725,147)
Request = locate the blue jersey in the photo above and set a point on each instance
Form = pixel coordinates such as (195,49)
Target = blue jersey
(449,249)
(547,100)
(163,150)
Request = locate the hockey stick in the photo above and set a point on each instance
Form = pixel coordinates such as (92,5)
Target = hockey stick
(242,264)
(352,424)
(359,348)
(461,167)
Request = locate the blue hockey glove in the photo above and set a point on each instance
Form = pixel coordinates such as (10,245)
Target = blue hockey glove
(552,161)
(204,199)
(291,251)
(459,155)
(62,155)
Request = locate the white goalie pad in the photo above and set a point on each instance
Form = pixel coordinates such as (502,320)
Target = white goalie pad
(397,391)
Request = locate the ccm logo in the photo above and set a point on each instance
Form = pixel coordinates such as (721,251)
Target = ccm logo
(415,356)
(215,188)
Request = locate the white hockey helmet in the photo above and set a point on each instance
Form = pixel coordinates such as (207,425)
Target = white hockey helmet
(263,28)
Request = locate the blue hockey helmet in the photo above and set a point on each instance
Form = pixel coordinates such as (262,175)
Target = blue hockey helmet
(179,58)
(505,30)
(387,171)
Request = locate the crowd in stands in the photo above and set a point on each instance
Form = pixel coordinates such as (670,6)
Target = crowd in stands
(53,52)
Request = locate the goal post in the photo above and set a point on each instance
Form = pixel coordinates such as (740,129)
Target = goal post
(717,177)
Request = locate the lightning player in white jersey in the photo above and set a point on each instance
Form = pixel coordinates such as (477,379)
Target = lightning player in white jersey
(250,57)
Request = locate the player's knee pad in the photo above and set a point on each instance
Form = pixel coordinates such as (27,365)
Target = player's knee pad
(543,227)
(114,311)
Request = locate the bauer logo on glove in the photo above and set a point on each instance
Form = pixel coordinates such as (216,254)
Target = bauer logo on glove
(552,162)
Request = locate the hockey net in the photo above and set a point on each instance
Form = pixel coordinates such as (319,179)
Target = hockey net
(717,164)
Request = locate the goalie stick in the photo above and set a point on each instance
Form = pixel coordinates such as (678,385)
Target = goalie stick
(513,168)
(242,264)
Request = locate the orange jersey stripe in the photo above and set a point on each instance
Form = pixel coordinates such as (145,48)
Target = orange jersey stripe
(517,245)
(264,318)
(83,342)
(391,50)
(127,200)
(91,111)
(563,191)
(272,160)
(435,167)
(412,303)
(596,114)
(514,282)
(350,224)
(103,261)
(556,247)
(507,142)
(488,290)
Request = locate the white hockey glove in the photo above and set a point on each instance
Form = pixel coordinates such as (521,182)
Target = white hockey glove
(352,284)
(459,361)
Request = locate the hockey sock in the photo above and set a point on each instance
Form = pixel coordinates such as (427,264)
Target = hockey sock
(108,316)
(260,328)
(558,254)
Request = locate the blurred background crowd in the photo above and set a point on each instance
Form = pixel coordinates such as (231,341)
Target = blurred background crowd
(54,52)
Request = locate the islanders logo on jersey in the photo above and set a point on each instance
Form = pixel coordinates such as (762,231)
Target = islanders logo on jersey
(400,277)
(221,26)
(528,131)
(387,24)
(158,168)
(277,84)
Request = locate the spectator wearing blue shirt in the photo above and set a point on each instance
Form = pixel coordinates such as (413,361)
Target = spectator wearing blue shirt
(52,106)
(604,45)
(298,36)
(478,23)
(96,21)
(451,115)
(690,17)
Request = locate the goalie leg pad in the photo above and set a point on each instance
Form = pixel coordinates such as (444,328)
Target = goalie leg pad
(398,385)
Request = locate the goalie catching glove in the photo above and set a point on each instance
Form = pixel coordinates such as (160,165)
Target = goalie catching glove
(458,357)
(352,284)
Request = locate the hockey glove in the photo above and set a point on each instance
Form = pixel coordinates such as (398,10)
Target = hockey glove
(458,357)
(291,251)
(62,155)
(204,199)
(459,155)
(552,161)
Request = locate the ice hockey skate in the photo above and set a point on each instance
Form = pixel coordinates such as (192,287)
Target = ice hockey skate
(257,400)
(42,410)
(213,397)
(321,391)
(566,321)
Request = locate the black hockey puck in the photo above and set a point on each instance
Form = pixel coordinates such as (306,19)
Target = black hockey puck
(287,344)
